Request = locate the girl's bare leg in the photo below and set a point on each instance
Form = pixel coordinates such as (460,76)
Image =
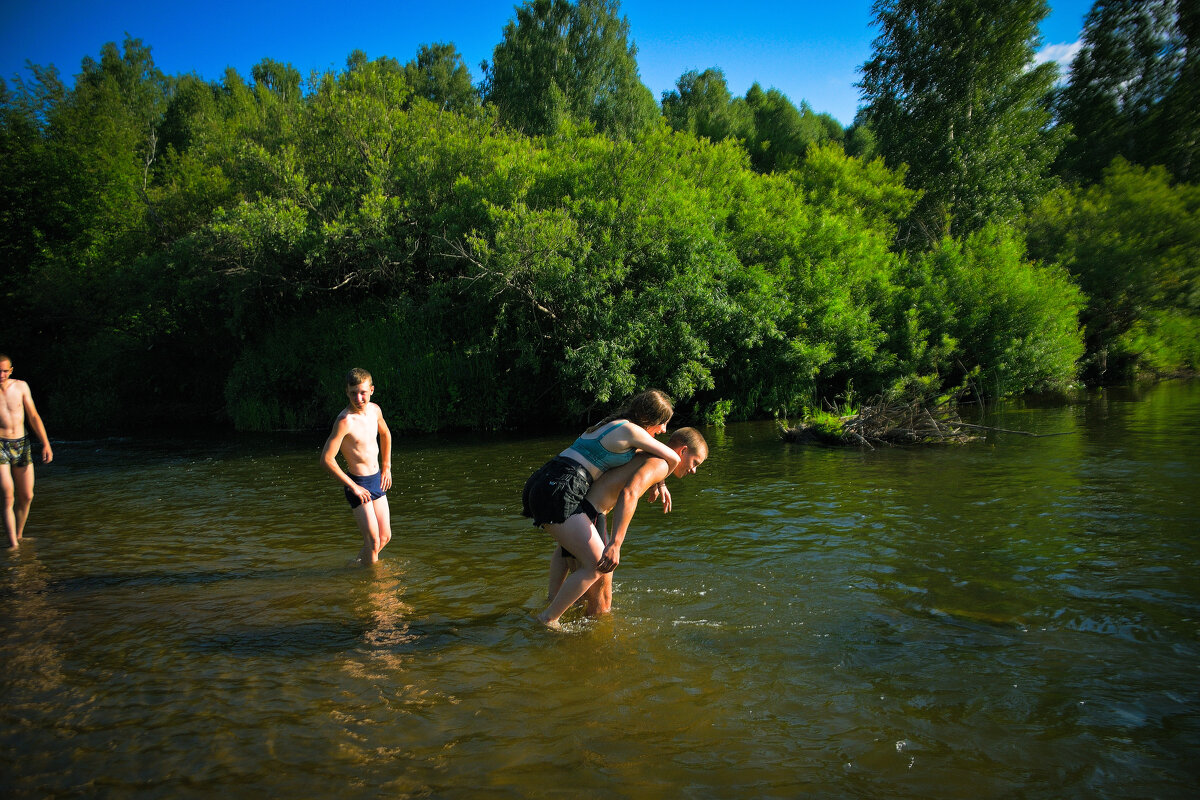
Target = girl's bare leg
(558,573)
(579,537)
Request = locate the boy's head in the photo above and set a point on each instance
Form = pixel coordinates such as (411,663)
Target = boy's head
(5,367)
(359,388)
(357,375)
(692,449)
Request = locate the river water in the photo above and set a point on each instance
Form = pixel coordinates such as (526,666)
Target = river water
(1018,617)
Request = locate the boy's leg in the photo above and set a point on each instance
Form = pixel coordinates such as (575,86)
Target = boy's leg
(599,596)
(22,478)
(10,519)
(383,520)
(368,525)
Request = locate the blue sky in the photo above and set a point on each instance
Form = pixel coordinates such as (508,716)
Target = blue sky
(810,51)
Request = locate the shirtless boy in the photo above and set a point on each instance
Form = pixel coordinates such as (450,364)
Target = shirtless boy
(618,491)
(365,479)
(16,456)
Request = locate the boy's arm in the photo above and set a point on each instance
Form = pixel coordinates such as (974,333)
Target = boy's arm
(34,420)
(329,460)
(385,453)
(649,473)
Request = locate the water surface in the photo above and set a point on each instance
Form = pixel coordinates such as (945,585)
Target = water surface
(1018,617)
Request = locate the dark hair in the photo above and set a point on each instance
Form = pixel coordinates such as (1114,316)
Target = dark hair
(357,375)
(651,407)
(691,438)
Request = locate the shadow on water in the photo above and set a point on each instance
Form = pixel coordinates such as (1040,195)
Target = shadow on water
(296,639)
(86,583)
(336,636)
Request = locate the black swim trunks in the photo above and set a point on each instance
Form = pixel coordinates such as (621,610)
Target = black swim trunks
(16,452)
(555,491)
(372,483)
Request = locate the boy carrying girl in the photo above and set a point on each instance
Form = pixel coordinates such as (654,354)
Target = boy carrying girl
(618,491)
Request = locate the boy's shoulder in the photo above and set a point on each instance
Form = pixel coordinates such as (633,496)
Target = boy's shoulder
(653,463)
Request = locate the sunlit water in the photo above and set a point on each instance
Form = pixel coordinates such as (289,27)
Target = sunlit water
(1018,617)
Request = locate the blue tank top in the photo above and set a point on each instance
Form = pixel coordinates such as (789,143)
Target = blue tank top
(600,456)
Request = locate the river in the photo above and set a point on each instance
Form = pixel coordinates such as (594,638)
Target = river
(1017,617)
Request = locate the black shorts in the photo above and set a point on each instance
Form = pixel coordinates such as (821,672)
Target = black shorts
(555,491)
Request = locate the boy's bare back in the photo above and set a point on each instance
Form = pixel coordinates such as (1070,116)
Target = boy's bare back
(607,489)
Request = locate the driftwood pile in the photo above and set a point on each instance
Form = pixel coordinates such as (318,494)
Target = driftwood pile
(886,422)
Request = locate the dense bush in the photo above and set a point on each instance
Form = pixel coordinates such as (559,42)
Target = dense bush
(232,248)
(1132,242)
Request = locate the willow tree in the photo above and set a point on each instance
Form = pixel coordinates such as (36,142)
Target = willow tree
(952,92)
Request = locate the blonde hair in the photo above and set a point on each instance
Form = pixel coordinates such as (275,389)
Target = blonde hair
(690,438)
(357,375)
(651,407)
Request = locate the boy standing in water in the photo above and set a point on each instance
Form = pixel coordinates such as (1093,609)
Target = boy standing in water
(618,491)
(16,456)
(366,480)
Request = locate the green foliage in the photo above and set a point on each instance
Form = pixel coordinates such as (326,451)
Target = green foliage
(231,248)
(777,134)
(701,104)
(569,62)
(825,424)
(1132,90)
(952,93)
(977,305)
(440,76)
(1132,242)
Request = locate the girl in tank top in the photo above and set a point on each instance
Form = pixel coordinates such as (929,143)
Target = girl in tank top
(553,494)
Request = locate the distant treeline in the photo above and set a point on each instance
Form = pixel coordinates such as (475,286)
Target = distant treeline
(535,248)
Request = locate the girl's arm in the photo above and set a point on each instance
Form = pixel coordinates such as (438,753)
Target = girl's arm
(632,435)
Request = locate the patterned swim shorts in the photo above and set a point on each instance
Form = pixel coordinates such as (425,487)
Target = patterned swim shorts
(16,452)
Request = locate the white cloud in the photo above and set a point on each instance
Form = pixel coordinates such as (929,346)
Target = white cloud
(1064,54)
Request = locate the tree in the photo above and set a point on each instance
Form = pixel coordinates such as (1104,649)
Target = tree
(779,134)
(440,76)
(561,61)
(951,92)
(701,104)
(1116,100)
(1132,243)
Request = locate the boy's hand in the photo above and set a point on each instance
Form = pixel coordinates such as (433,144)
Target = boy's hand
(608,562)
(363,494)
(661,493)
(385,480)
